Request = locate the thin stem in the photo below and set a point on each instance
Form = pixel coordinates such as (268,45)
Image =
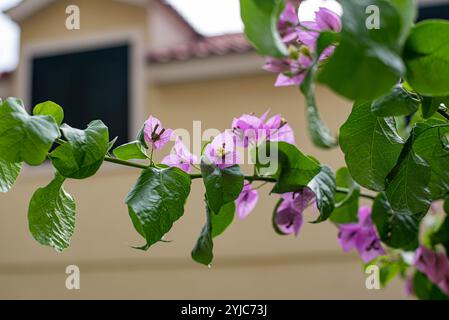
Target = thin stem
(363,195)
(151,155)
(125,163)
(195,176)
(260,186)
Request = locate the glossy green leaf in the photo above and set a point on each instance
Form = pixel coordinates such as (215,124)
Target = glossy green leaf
(222,185)
(131,150)
(371,146)
(83,153)
(432,146)
(260,18)
(8,175)
(156,201)
(426,55)
(426,290)
(397,229)
(347,205)
(441,236)
(51,215)
(430,105)
(141,137)
(324,186)
(203,250)
(396,103)
(408,9)
(294,169)
(50,108)
(273,218)
(25,138)
(407,184)
(367,62)
(215,225)
(320,134)
(222,220)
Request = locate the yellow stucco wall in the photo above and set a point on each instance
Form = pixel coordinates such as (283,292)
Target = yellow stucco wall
(251,260)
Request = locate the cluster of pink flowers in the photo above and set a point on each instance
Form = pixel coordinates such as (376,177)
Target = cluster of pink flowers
(301,40)
(361,236)
(247,130)
(434,265)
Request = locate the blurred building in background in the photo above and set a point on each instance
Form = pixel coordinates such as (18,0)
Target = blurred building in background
(129,59)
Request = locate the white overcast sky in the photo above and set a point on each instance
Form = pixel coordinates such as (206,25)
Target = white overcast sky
(209,17)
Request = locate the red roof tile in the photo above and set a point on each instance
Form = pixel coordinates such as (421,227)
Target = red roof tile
(201,48)
(5,75)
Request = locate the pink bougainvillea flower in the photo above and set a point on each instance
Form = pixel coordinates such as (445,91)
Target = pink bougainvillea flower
(249,129)
(247,201)
(277,129)
(361,236)
(289,215)
(326,19)
(276,65)
(434,265)
(180,157)
(288,22)
(301,38)
(408,288)
(156,135)
(222,150)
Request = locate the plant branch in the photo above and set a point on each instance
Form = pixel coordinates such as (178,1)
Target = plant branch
(195,176)
(125,163)
(363,195)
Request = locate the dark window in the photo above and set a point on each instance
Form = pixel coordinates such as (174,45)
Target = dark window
(89,85)
(434,12)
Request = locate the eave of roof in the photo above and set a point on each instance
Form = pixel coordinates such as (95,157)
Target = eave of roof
(220,45)
(5,76)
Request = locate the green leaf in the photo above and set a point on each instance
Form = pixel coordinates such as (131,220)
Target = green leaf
(407,184)
(294,170)
(222,185)
(8,175)
(24,137)
(215,225)
(426,55)
(51,215)
(84,153)
(347,205)
(156,201)
(430,105)
(320,134)
(396,103)
(131,150)
(324,186)
(203,250)
(389,270)
(432,146)
(112,143)
(426,290)
(273,218)
(260,18)
(366,63)
(222,220)
(441,236)
(50,108)
(397,229)
(408,9)
(371,146)
(141,137)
